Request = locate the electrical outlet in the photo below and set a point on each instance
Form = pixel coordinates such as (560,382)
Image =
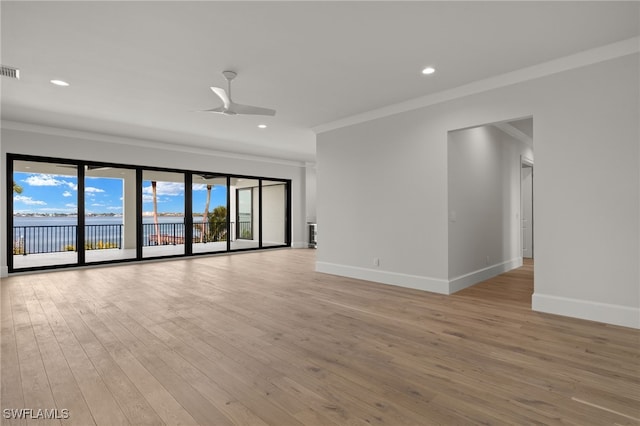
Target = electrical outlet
(376,261)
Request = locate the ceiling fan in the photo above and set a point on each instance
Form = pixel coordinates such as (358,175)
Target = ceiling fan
(231,108)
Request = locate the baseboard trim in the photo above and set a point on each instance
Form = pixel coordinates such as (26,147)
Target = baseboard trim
(417,282)
(584,309)
(299,245)
(467,280)
(4,271)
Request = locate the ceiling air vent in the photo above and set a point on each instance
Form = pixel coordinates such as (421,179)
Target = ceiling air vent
(9,72)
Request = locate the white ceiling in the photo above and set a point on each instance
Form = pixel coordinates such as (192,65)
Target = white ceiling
(140,69)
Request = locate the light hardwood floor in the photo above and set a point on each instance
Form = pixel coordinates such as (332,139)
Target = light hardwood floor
(259,338)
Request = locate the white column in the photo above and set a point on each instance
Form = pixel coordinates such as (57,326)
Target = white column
(129,209)
(232,210)
(310,192)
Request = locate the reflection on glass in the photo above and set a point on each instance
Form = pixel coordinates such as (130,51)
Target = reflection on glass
(110,214)
(274,213)
(245,213)
(246,199)
(163,231)
(45,214)
(209,212)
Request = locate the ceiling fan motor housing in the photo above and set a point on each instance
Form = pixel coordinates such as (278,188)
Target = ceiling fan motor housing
(229,75)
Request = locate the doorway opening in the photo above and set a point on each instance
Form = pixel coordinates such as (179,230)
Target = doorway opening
(490,196)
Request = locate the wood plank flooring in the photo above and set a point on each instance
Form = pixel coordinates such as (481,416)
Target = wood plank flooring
(262,339)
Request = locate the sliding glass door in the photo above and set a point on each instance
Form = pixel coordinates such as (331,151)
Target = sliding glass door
(209,213)
(110,213)
(247,194)
(45,214)
(274,213)
(65,213)
(163,220)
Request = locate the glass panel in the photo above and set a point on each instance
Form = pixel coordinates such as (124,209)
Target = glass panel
(163,228)
(209,213)
(246,202)
(245,214)
(274,213)
(110,213)
(45,214)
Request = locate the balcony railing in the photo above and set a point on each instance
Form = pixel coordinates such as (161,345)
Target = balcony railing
(162,234)
(99,237)
(245,230)
(61,238)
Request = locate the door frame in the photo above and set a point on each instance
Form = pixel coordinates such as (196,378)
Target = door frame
(527,162)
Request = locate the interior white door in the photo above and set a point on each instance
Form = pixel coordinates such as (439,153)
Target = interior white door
(527,211)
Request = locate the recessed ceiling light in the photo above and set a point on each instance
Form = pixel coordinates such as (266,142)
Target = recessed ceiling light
(59,83)
(262,126)
(428,70)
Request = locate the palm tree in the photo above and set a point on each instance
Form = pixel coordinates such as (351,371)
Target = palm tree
(205,216)
(218,223)
(17,188)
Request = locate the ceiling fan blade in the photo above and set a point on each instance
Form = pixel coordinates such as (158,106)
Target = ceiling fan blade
(251,110)
(222,94)
(219,110)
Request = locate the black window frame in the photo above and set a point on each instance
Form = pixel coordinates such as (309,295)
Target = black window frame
(188,175)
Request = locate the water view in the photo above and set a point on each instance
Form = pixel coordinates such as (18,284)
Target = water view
(46,234)
(47,197)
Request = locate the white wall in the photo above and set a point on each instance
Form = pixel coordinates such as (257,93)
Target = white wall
(484,204)
(382,193)
(49,142)
(382,190)
(310,183)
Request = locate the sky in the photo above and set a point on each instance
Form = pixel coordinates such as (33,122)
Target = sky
(45,193)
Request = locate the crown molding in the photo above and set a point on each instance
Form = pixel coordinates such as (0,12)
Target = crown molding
(577,60)
(122,140)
